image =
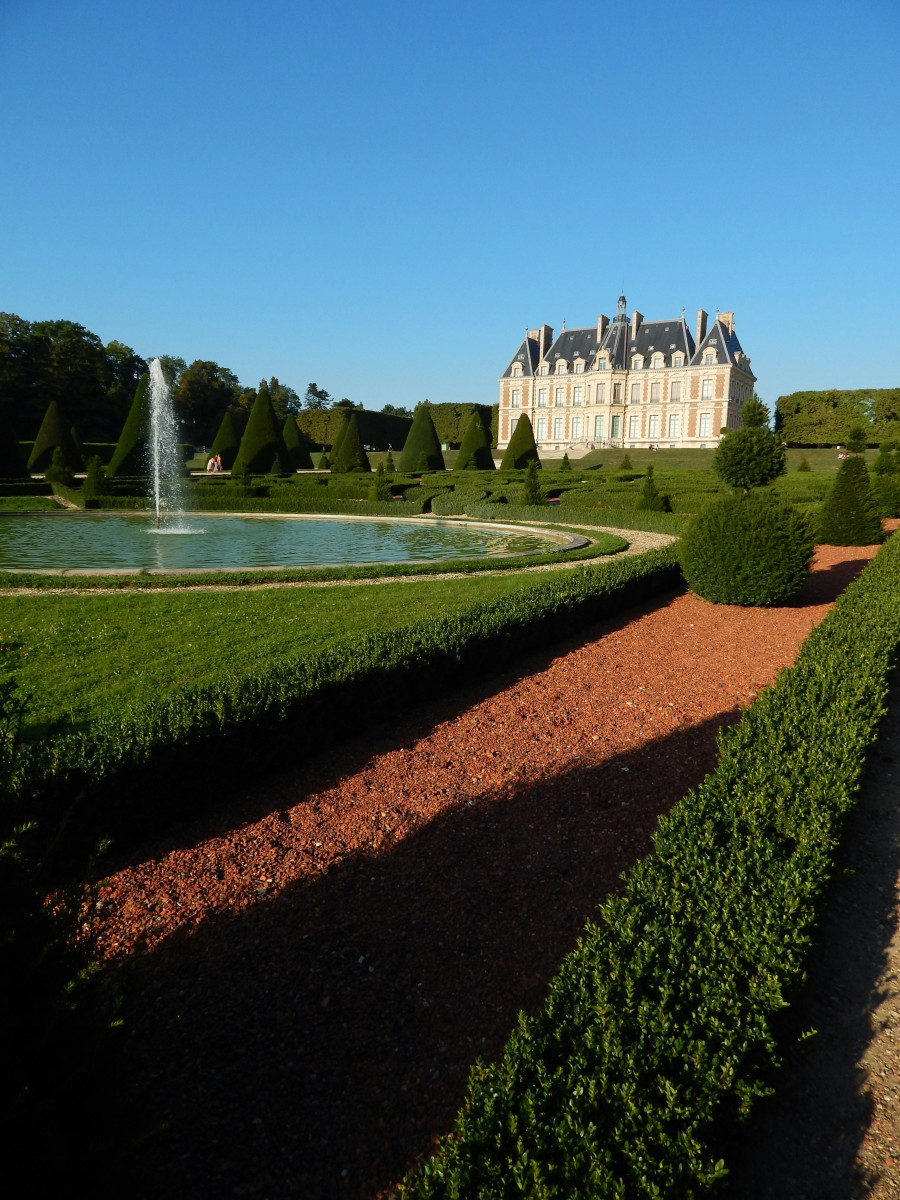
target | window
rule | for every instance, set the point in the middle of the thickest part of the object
(636, 363)
(709, 358)
(633, 426)
(675, 392)
(706, 390)
(657, 362)
(579, 368)
(635, 393)
(516, 371)
(598, 426)
(576, 396)
(673, 425)
(576, 427)
(560, 397)
(614, 426)
(654, 393)
(677, 360)
(653, 427)
(561, 367)
(601, 365)
(617, 393)
(601, 393)
(705, 421)
(545, 368)
(557, 428)
(542, 397)
(542, 428)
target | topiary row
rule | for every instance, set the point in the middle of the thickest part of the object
(659, 1028)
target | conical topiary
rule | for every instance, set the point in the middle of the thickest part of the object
(12, 460)
(381, 485)
(297, 446)
(55, 432)
(849, 515)
(521, 449)
(532, 493)
(262, 450)
(349, 454)
(227, 442)
(130, 454)
(885, 463)
(93, 486)
(565, 465)
(341, 430)
(650, 499)
(422, 450)
(475, 448)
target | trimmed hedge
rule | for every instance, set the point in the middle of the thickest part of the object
(475, 449)
(422, 450)
(55, 431)
(136, 772)
(226, 442)
(262, 447)
(130, 454)
(659, 1027)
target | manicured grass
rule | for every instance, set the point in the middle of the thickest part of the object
(83, 655)
(26, 503)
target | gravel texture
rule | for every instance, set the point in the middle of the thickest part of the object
(313, 969)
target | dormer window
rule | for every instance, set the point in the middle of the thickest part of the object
(677, 360)
(709, 358)
(601, 364)
(637, 362)
(562, 367)
(579, 367)
(657, 361)
(545, 368)
(516, 371)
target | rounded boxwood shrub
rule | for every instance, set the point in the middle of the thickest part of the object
(521, 449)
(749, 457)
(747, 549)
(849, 515)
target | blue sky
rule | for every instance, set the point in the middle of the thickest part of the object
(381, 198)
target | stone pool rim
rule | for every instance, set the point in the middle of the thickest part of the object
(564, 541)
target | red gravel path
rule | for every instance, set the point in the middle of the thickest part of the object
(313, 973)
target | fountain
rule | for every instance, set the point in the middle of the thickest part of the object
(165, 456)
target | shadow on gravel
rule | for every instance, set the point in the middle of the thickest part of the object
(804, 1140)
(314, 1045)
(826, 585)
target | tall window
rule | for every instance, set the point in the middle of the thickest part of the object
(560, 397)
(516, 398)
(709, 359)
(601, 393)
(654, 393)
(635, 393)
(576, 395)
(542, 428)
(706, 390)
(579, 368)
(601, 365)
(677, 360)
(653, 428)
(542, 397)
(561, 368)
(705, 421)
(633, 427)
(675, 390)
(673, 425)
(517, 370)
(557, 428)
(545, 368)
(576, 427)
(614, 426)
(617, 393)
(598, 426)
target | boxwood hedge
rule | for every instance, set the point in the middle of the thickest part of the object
(658, 1030)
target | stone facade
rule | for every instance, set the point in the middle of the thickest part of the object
(628, 383)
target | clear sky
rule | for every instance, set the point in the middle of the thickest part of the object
(382, 197)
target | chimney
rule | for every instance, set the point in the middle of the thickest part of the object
(702, 318)
(636, 319)
(727, 320)
(545, 339)
(602, 326)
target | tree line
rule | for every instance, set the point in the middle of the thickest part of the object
(43, 361)
(827, 418)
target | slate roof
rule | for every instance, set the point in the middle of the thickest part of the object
(572, 344)
(527, 356)
(719, 339)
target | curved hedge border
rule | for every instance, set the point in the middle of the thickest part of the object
(134, 773)
(658, 1029)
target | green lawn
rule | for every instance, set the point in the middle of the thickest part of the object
(80, 655)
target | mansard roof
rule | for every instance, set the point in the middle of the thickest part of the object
(527, 356)
(572, 344)
(665, 337)
(718, 338)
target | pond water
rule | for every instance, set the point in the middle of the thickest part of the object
(87, 541)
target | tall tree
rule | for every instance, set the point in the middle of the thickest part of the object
(284, 399)
(204, 391)
(316, 397)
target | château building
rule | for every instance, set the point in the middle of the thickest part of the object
(628, 383)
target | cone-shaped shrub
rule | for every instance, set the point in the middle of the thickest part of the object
(885, 463)
(803, 465)
(297, 446)
(886, 490)
(422, 451)
(350, 454)
(130, 454)
(262, 450)
(93, 487)
(532, 492)
(341, 430)
(12, 460)
(54, 433)
(625, 464)
(849, 514)
(475, 448)
(381, 485)
(565, 465)
(650, 499)
(227, 442)
(521, 449)
(746, 549)
(59, 470)
(389, 463)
